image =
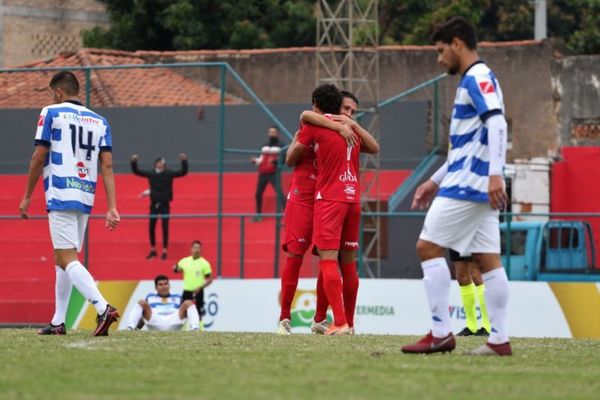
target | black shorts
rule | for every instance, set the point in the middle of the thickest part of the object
(199, 298)
(455, 256)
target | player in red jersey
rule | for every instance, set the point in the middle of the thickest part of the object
(337, 199)
(299, 217)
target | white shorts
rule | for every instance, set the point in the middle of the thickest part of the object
(170, 322)
(67, 229)
(465, 226)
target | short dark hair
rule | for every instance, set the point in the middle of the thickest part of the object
(159, 159)
(327, 98)
(456, 27)
(348, 94)
(160, 278)
(197, 242)
(67, 81)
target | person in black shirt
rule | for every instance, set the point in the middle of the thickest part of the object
(161, 194)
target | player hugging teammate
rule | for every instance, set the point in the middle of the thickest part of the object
(324, 207)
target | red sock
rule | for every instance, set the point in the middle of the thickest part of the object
(322, 304)
(289, 283)
(332, 283)
(350, 282)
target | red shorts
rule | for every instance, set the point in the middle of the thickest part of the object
(336, 225)
(298, 220)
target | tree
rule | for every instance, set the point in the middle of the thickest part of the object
(205, 24)
(233, 24)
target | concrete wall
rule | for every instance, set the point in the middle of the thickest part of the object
(37, 29)
(166, 131)
(523, 68)
(576, 87)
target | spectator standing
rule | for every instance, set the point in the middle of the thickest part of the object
(267, 170)
(161, 195)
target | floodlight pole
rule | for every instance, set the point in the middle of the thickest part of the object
(348, 56)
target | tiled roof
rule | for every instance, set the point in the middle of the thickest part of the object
(123, 87)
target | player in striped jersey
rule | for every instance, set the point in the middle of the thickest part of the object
(69, 141)
(470, 190)
(164, 311)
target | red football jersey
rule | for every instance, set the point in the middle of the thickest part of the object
(302, 186)
(337, 164)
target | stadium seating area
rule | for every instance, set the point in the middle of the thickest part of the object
(28, 276)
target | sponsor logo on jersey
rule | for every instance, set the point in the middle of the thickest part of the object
(486, 87)
(81, 119)
(348, 176)
(82, 170)
(74, 183)
(351, 244)
(41, 120)
(350, 190)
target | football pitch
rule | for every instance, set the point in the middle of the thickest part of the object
(209, 365)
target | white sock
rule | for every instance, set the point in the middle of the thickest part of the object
(134, 316)
(496, 297)
(436, 277)
(62, 293)
(193, 319)
(84, 282)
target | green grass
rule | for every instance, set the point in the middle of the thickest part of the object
(152, 365)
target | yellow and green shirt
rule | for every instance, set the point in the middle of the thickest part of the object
(194, 272)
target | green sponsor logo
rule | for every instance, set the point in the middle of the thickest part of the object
(73, 183)
(303, 308)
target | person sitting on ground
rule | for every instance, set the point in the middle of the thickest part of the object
(163, 311)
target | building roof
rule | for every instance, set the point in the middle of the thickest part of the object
(110, 88)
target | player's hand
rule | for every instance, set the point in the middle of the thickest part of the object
(424, 195)
(497, 193)
(348, 134)
(112, 219)
(182, 156)
(343, 119)
(135, 157)
(23, 206)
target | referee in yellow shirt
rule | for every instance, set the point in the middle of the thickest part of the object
(197, 274)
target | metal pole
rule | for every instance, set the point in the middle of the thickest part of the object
(508, 218)
(361, 242)
(242, 235)
(541, 10)
(436, 110)
(88, 100)
(277, 218)
(220, 190)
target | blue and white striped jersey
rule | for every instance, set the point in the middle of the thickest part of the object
(75, 136)
(164, 305)
(478, 97)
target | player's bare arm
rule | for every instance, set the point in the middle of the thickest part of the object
(497, 138)
(314, 118)
(108, 178)
(369, 144)
(294, 141)
(36, 167)
(426, 192)
(208, 280)
(294, 153)
(424, 195)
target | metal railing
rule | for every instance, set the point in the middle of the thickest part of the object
(511, 220)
